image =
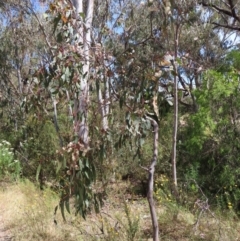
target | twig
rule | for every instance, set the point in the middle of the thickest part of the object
(226, 26)
(145, 168)
(202, 205)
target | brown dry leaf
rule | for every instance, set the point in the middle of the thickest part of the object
(64, 19)
(52, 7)
(109, 73)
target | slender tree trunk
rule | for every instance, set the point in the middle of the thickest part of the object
(104, 105)
(174, 138)
(151, 171)
(175, 118)
(19, 76)
(104, 99)
(19, 79)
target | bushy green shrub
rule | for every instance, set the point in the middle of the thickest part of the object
(209, 151)
(9, 167)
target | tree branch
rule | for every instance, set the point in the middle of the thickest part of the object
(226, 26)
(233, 10)
(222, 10)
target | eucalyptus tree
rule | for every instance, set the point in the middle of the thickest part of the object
(77, 60)
(195, 48)
(22, 106)
(160, 51)
(21, 47)
(74, 71)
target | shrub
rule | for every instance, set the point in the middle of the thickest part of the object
(9, 167)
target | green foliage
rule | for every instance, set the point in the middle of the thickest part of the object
(230, 62)
(192, 173)
(36, 148)
(211, 147)
(162, 188)
(132, 226)
(76, 175)
(9, 167)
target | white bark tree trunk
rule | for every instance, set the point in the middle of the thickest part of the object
(104, 105)
(81, 105)
(104, 100)
(175, 118)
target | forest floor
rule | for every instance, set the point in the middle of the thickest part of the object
(5, 234)
(26, 213)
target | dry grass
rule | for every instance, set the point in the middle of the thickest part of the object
(28, 214)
